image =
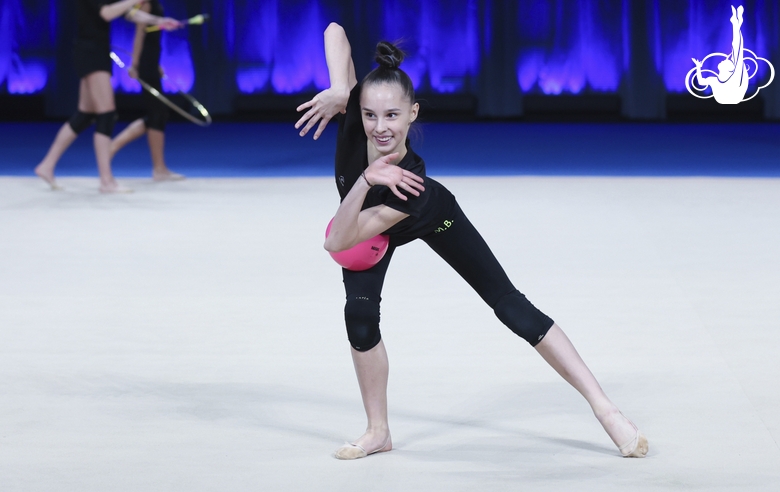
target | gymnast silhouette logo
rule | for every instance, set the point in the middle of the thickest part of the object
(730, 84)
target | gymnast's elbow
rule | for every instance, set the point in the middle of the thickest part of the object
(104, 14)
(335, 28)
(329, 246)
(333, 246)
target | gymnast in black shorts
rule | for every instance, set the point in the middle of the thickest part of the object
(384, 189)
(96, 96)
(146, 66)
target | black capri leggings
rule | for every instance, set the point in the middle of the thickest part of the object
(156, 111)
(464, 249)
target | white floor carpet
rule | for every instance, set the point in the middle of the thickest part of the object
(190, 337)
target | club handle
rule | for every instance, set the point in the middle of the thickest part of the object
(196, 20)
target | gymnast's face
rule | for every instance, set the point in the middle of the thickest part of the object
(387, 115)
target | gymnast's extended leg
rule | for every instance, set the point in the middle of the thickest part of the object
(67, 134)
(559, 352)
(153, 125)
(45, 169)
(132, 132)
(160, 171)
(463, 248)
(156, 122)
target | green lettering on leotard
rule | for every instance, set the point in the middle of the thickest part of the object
(446, 225)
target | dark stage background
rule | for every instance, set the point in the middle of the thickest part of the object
(492, 59)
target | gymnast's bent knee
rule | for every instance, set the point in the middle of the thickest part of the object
(362, 317)
(104, 123)
(156, 119)
(80, 121)
(522, 317)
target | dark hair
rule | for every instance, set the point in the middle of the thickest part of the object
(389, 57)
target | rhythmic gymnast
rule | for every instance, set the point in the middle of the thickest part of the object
(384, 189)
(146, 66)
(96, 96)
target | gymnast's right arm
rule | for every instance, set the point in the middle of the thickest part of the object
(341, 70)
(114, 10)
(351, 225)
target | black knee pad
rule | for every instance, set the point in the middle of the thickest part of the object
(156, 119)
(81, 121)
(522, 317)
(362, 317)
(104, 123)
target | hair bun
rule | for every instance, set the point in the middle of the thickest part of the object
(388, 55)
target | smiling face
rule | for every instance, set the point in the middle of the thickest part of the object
(387, 116)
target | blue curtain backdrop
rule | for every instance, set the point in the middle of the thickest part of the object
(496, 51)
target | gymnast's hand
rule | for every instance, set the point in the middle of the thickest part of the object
(133, 71)
(383, 172)
(322, 108)
(169, 24)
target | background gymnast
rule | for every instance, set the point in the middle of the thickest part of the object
(384, 189)
(96, 96)
(146, 66)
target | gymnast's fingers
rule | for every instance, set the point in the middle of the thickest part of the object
(409, 188)
(397, 193)
(170, 24)
(389, 158)
(305, 117)
(305, 105)
(415, 185)
(312, 121)
(321, 128)
(411, 175)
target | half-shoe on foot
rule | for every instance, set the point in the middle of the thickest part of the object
(168, 176)
(351, 451)
(636, 447)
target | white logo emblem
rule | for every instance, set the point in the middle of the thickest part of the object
(730, 83)
(341, 180)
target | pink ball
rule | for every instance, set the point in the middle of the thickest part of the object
(361, 256)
